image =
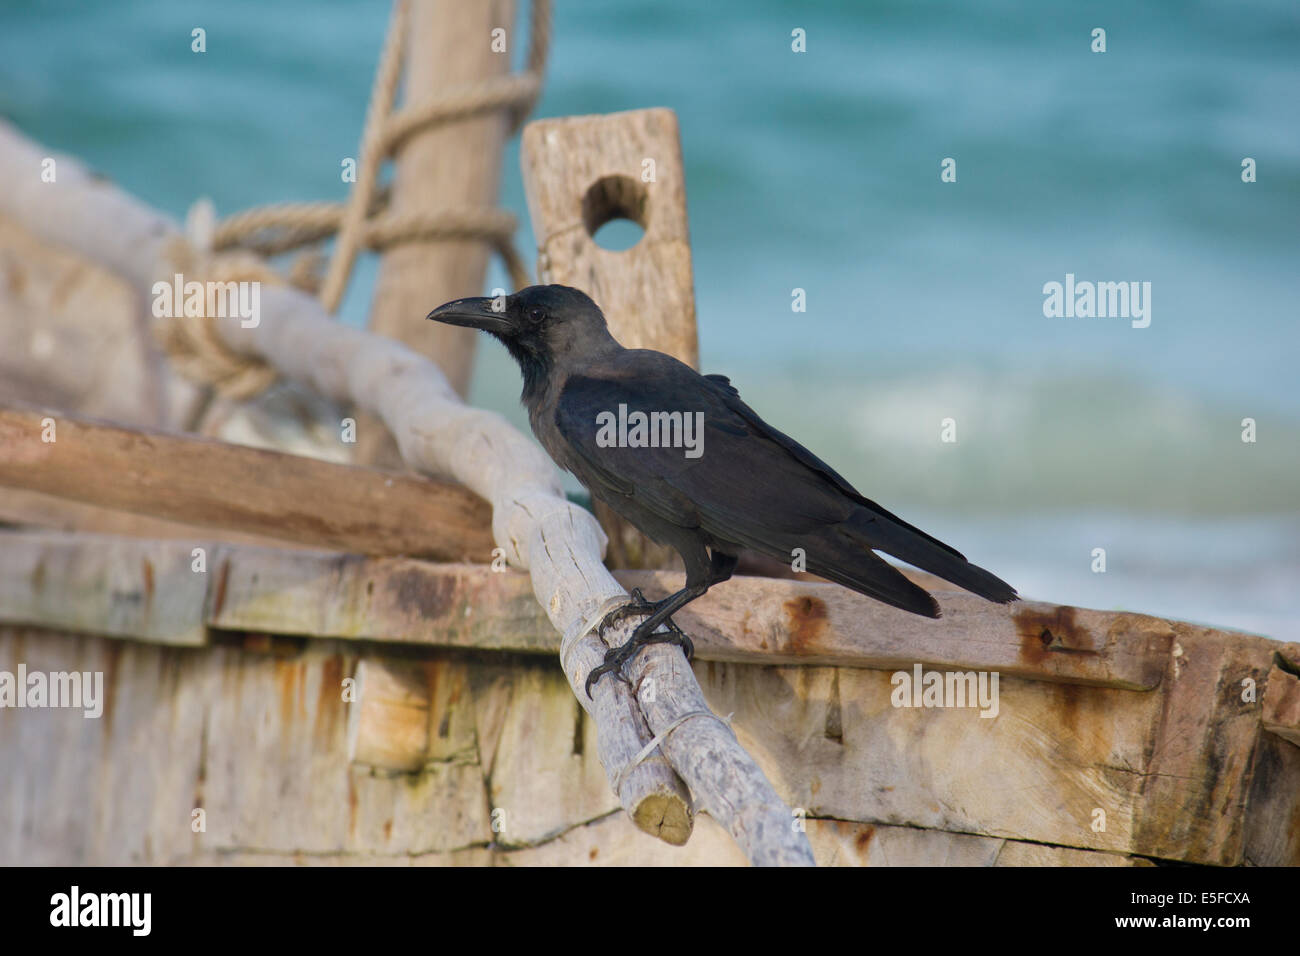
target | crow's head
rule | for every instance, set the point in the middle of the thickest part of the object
(539, 324)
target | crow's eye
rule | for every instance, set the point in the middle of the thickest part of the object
(536, 315)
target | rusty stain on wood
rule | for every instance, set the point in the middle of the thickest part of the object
(111, 665)
(329, 702)
(284, 678)
(1042, 632)
(147, 567)
(863, 840)
(807, 620)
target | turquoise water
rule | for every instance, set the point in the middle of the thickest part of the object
(821, 171)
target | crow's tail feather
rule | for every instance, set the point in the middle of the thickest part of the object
(907, 544)
(868, 574)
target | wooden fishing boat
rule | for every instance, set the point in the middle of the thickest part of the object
(336, 616)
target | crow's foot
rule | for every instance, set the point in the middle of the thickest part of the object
(665, 633)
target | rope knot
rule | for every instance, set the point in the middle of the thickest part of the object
(190, 342)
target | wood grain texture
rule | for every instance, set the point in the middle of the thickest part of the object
(760, 620)
(214, 484)
(120, 587)
(1202, 761)
(256, 735)
(750, 620)
(1272, 836)
(609, 841)
(33, 509)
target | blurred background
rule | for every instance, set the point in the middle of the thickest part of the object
(820, 171)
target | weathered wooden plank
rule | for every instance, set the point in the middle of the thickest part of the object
(259, 740)
(118, 788)
(255, 740)
(750, 620)
(388, 599)
(1170, 774)
(217, 484)
(1272, 835)
(1017, 853)
(612, 841)
(1084, 749)
(760, 620)
(754, 620)
(834, 743)
(1199, 774)
(389, 725)
(545, 744)
(410, 714)
(31, 509)
(469, 856)
(121, 587)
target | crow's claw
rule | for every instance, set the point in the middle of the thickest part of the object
(638, 605)
(609, 667)
(616, 657)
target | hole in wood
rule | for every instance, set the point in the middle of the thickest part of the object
(615, 211)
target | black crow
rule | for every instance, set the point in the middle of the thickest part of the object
(680, 456)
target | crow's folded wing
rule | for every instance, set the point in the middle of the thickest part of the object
(748, 473)
(739, 476)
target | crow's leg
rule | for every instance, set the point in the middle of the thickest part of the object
(720, 567)
(699, 579)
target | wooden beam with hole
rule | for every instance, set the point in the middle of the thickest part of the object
(218, 485)
(581, 172)
(746, 620)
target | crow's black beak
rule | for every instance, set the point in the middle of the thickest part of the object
(476, 313)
